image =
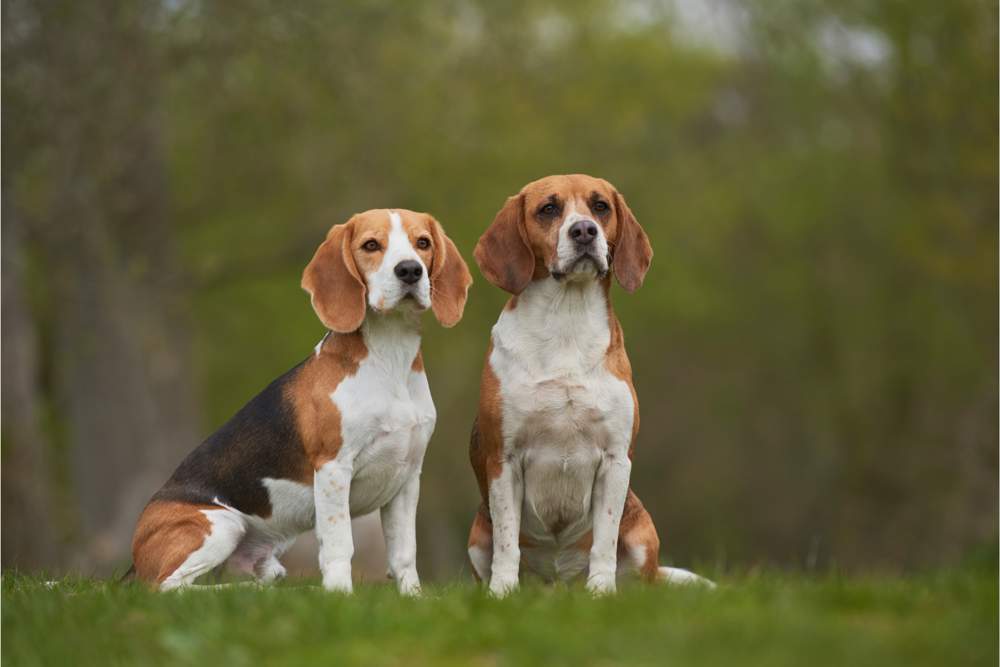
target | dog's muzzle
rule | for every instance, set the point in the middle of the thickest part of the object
(585, 260)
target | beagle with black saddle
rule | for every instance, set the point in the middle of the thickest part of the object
(558, 414)
(340, 435)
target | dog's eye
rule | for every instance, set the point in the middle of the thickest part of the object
(549, 209)
(600, 206)
(423, 243)
(371, 245)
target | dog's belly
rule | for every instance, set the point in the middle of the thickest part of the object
(380, 472)
(558, 485)
(563, 429)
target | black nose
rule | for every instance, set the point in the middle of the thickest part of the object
(409, 271)
(583, 232)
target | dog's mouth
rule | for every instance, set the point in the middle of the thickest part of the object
(585, 264)
(411, 299)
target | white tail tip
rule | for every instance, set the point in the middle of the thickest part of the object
(675, 575)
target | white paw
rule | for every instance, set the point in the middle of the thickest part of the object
(410, 590)
(337, 578)
(502, 586)
(338, 584)
(601, 584)
(270, 570)
(408, 583)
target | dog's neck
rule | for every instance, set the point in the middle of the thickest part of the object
(557, 324)
(390, 341)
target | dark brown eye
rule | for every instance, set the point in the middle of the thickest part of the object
(371, 245)
(549, 209)
(423, 243)
(600, 206)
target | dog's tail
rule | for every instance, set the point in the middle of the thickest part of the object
(129, 575)
(675, 575)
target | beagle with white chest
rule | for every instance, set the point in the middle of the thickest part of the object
(558, 414)
(340, 435)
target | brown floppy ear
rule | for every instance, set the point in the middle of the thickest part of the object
(450, 278)
(335, 287)
(503, 253)
(632, 253)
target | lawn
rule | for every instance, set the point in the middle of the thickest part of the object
(947, 618)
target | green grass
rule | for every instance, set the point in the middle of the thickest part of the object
(937, 619)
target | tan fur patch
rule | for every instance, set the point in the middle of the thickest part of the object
(481, 533)
(167, 533)
(318, 418)
(418, 363)
(486, 446)
(637, 530)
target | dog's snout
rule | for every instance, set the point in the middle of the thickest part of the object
(583, 232)
(409, 271)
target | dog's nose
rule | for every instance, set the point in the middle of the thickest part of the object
(583, 232)
(409, 271)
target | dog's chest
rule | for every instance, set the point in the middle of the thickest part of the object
(562, 410)
(386, 421)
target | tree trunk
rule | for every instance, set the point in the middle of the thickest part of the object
(118, 355)
(28, 529)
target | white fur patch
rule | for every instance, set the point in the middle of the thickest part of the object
(481, 560)
(675, 575)
(319, 346)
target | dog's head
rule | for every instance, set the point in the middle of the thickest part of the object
(574, 228)
(384, 260)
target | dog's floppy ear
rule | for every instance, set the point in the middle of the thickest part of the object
(503, 253)
(335, 287)
(632, 253)
(450, 278)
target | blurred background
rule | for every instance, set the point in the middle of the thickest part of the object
(815, 347)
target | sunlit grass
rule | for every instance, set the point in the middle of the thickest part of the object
(938, 619)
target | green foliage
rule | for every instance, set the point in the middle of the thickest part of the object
(815, 346)
(764, 619)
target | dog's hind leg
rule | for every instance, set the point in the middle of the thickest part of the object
(481, 546)
(639, 548)
(175, 543)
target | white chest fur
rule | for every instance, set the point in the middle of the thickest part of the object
(563, 411)
(387, 414)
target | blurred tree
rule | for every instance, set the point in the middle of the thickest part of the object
(86, 176)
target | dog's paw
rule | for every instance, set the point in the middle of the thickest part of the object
(337, 579)
(502, 586)
(409, 585)
(601, 584)
(270, 570)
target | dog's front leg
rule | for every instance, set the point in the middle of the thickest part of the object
(332, 490)
(399, 525)
(506, 497)
(610, 491)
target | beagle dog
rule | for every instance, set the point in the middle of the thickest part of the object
(340, 435)
(552, 442)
